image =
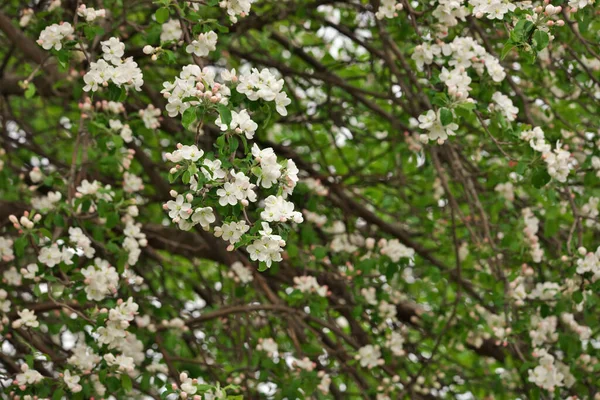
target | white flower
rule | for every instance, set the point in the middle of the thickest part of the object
(268, 345)
(53, 35)
(212, 169)
(205, 43)
(506, 190)
(388, 9)
(309, 284)
(113, 50)
(27, 318)
(179, 208)
(101, 280)
(50, 256)
(235, 8)
(506, 106)
(204, 216)
(395, 343)
(170, 30)
(28, 376)
(240, 123)
(396, 250)
(431, 122)
(369, 356)
(244, 274)
(191, 153)
(232, 231)
(72, 381)
(277, 209)
(546, 375)
(6, 251)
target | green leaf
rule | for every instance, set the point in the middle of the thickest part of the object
(225, 114)
(540, 40)
(446, 116)
(540, 178)
(508, 46)
(115, 93)
(162, 15)
(30, 91)
(126, 382)
(262, 267)
(58, 394)
(20, 245)
(188, 117)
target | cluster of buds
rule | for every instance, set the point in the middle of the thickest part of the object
(550, 10)
(154, 51)
(129, 154)
(24, 222)
(89, 13)
(85, 105)
(114, 107)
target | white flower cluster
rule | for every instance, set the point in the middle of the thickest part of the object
(89, 13)
(235, 8)
(6, 249)
(506, 190)
(240, 123)
(431, 122)
(111, 68)
(532, 224)
(544, 330)
(264, 85)
(584, 332)
(53, 35)
(448, 12)
(505, 105)
(464, 53)
(590, 263)
(395, 250)
(46, 203)
(205, 43)
(196, 83)
(550, 373)
(395, 343)
(268, 247)
(101, 280)
(171, 31)
(493, 9)
(577, 4)
(241, 273)
(151, 117)
(277, 209)
(132, 183)
(342, 241)
(122, 129)
(83, 356)
(52, 255)
(388, 9)
(268, 345)
(26, 318)
(309, 284)
(81, 241)
(114, 333)
(134, 240)
(271, 172)
(558, 161)
(546, 291)
(28, 376)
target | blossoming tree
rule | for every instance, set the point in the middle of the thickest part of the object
(296, 199)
